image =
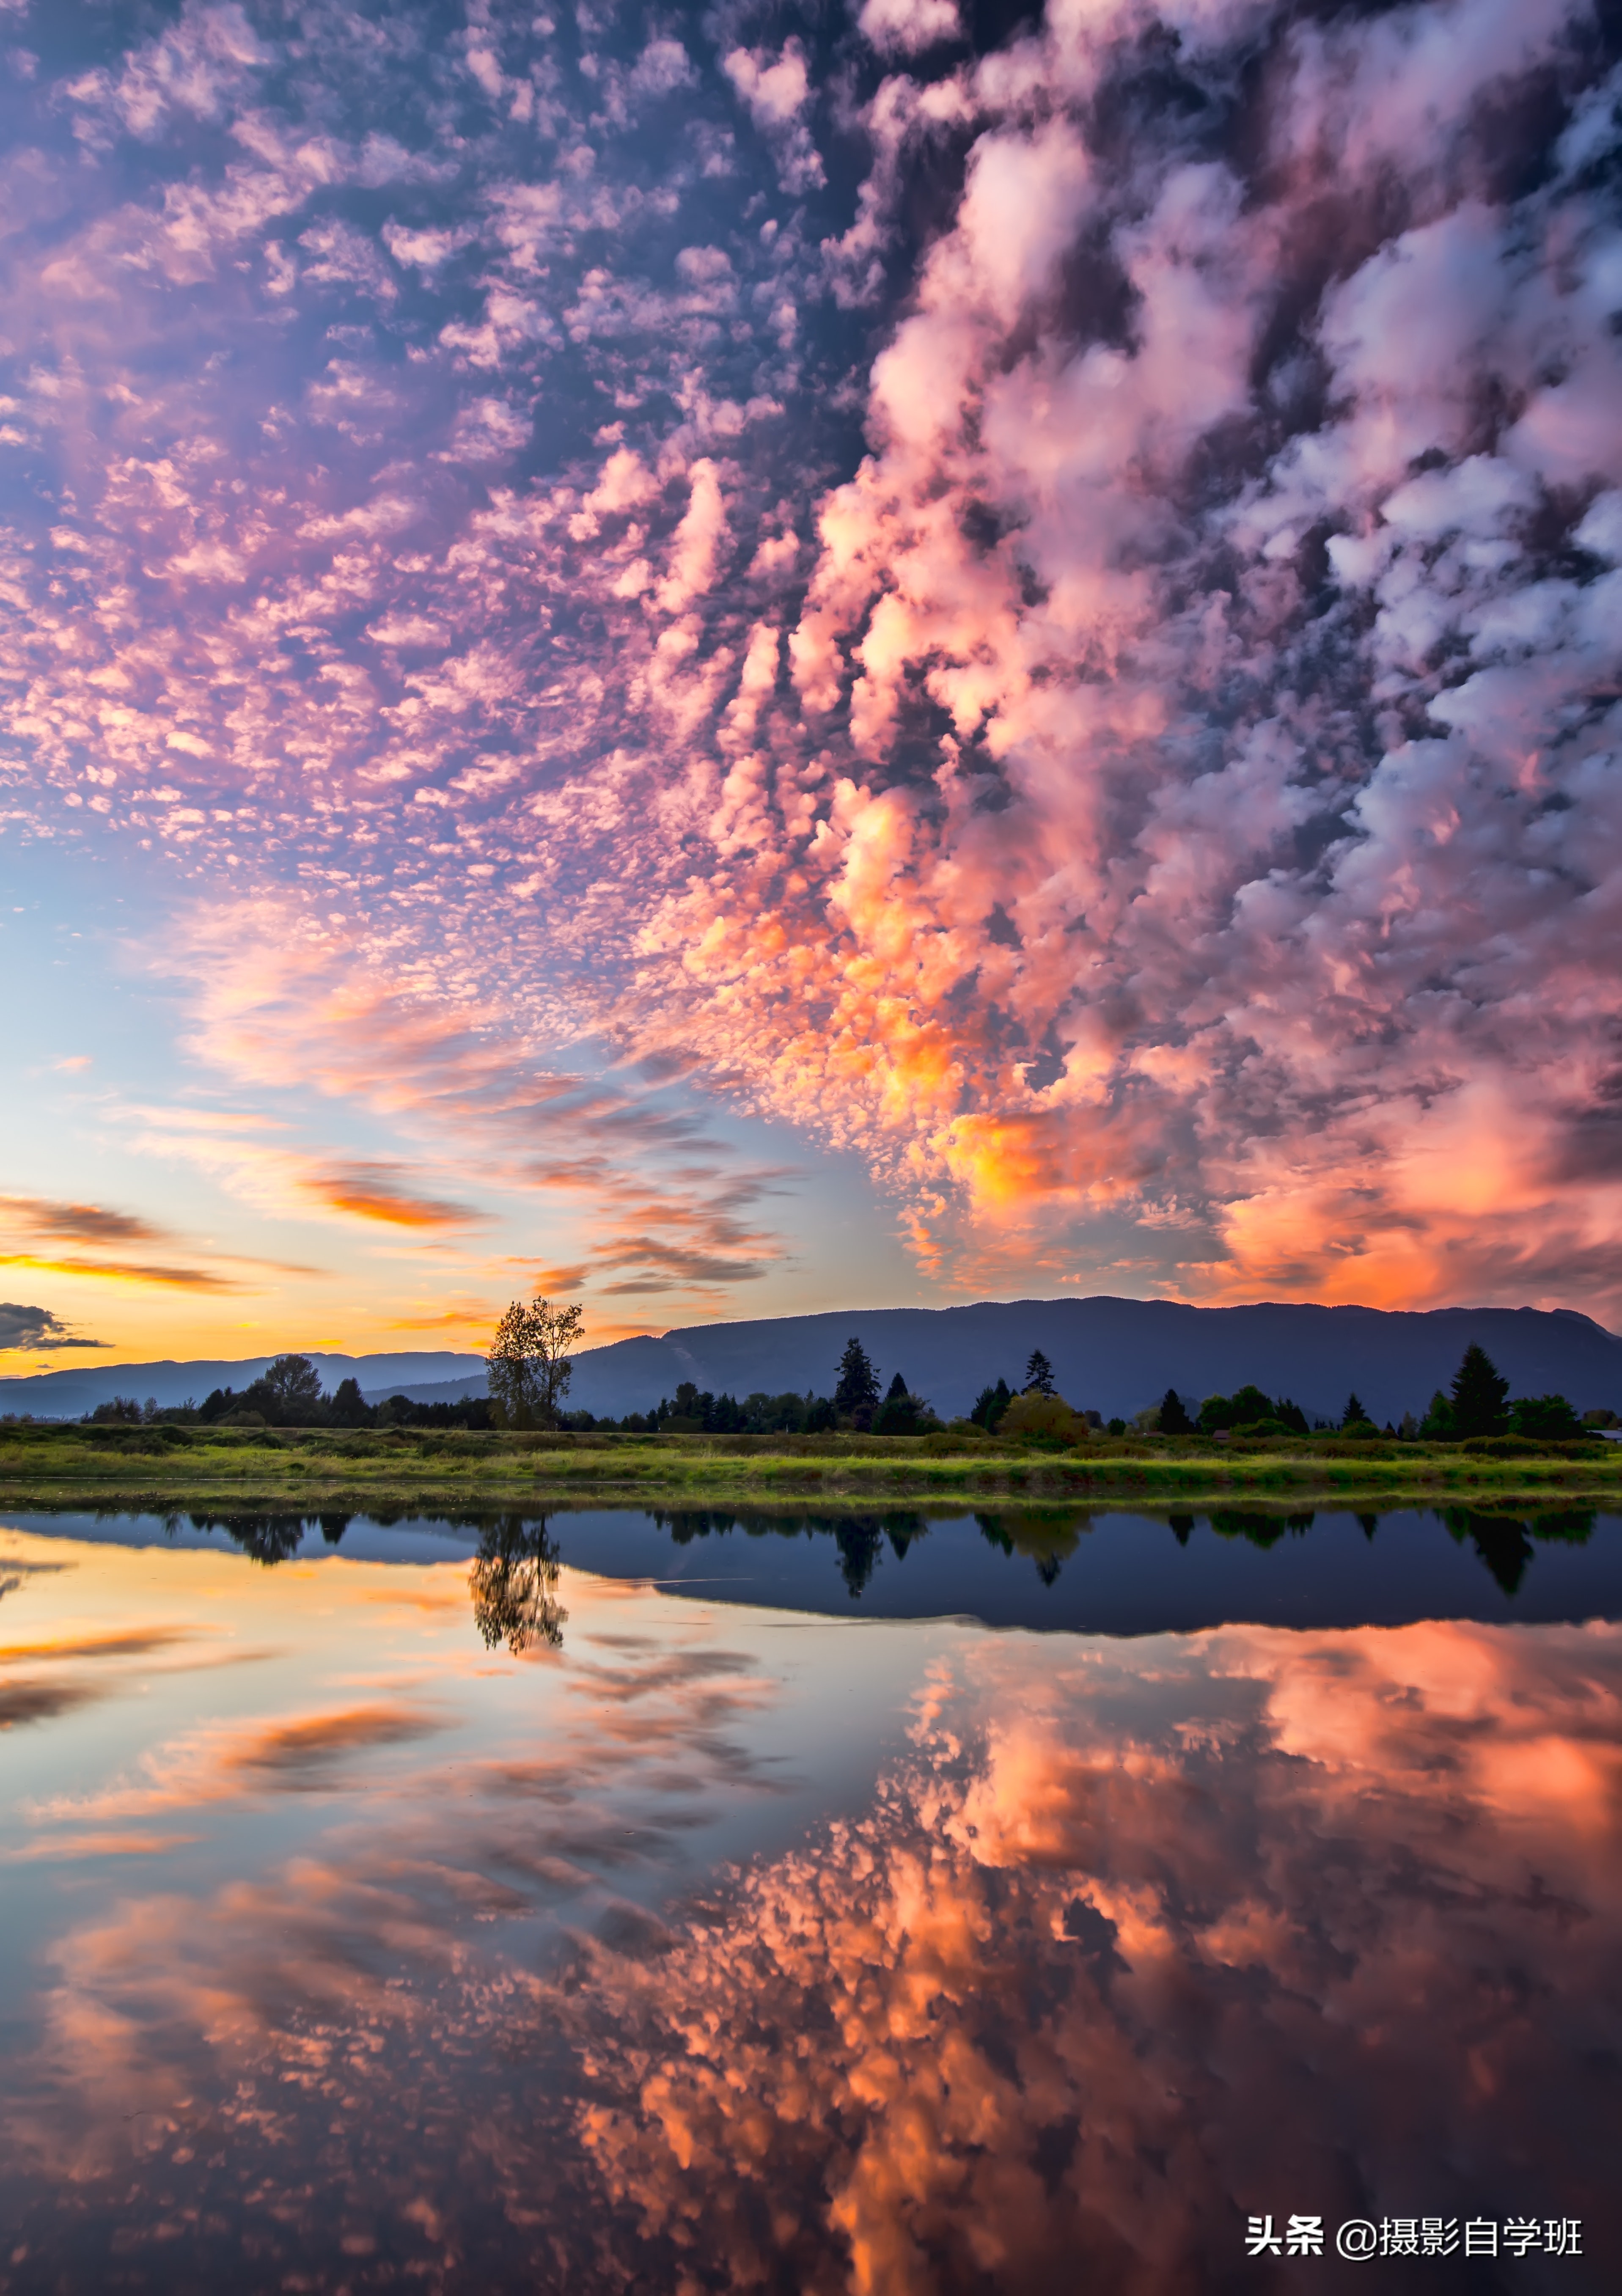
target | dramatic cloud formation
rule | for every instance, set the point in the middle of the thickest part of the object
(1045, 613)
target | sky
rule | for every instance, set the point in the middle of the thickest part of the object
(730, 661)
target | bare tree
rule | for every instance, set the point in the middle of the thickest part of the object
(528, 1368)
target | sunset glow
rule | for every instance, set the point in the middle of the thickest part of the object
(737, 662)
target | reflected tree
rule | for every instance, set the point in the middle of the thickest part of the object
(333, 1527)
(1248, 1522)
(514, 1581)
(1182, 1527)
(264, 1538)
(1573, 1526)
(992, 1531)
(685, 1524)
(859, 1539)
(1499, 1539)
(903, 1528)
(1504, 1542)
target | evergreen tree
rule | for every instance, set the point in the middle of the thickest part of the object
(1039, 1374)
(348, 1407)
(858, 1387)
(1354, 1415)
(1174, 1419)
(990, 1404)
(898, 1414)
(1478, 1396)
(1436, 1426)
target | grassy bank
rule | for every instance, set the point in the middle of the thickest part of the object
(428, 1471)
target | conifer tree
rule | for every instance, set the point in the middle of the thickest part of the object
(1039, 1374)
(858, 1387)
(990, 1404)
(1479, 1394)
(1353, 1414)
(1174, 1419)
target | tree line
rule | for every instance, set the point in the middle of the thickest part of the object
(289, 1393)
(530, 1365)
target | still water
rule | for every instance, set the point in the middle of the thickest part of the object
(1019, 1902)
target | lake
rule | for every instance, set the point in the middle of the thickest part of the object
(914, 1902)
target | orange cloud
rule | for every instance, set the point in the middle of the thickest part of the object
(181, 1279)
(78, 1223)
(374, 1192)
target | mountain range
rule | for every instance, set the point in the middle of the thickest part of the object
(1112, 1355)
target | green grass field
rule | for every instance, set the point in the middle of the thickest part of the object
(428, 1471)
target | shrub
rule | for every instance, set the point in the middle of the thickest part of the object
(1545, 1419)
(1043, 1415)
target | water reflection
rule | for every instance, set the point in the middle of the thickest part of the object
(264, 1538)
(1108, 1963)
(1077, 1567)
(1504, 1542)
(628, 1972)
(514, 1583)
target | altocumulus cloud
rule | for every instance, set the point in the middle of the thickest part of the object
(1048, 613)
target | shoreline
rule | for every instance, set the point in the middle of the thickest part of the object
(160, 1468)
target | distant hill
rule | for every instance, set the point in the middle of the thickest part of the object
(1112, 1355)
(69, 1394)
(1115, 1356)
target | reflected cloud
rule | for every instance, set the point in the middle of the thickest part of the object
(1130, 1940)
(288, 1753)
(63, 1846)
(41, 1701)
(1126, 1953)
(223, 1763)
(134, 1642)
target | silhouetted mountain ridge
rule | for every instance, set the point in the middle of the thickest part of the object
(1109, 1355)
(1117, 1355)
(69, 1394)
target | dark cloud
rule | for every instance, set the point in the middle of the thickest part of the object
(37, 1328)
(41, 1701)
(293, 1753)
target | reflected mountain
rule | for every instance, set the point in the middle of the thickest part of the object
(514, 1583)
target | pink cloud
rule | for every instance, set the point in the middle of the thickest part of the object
(1178, 805)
